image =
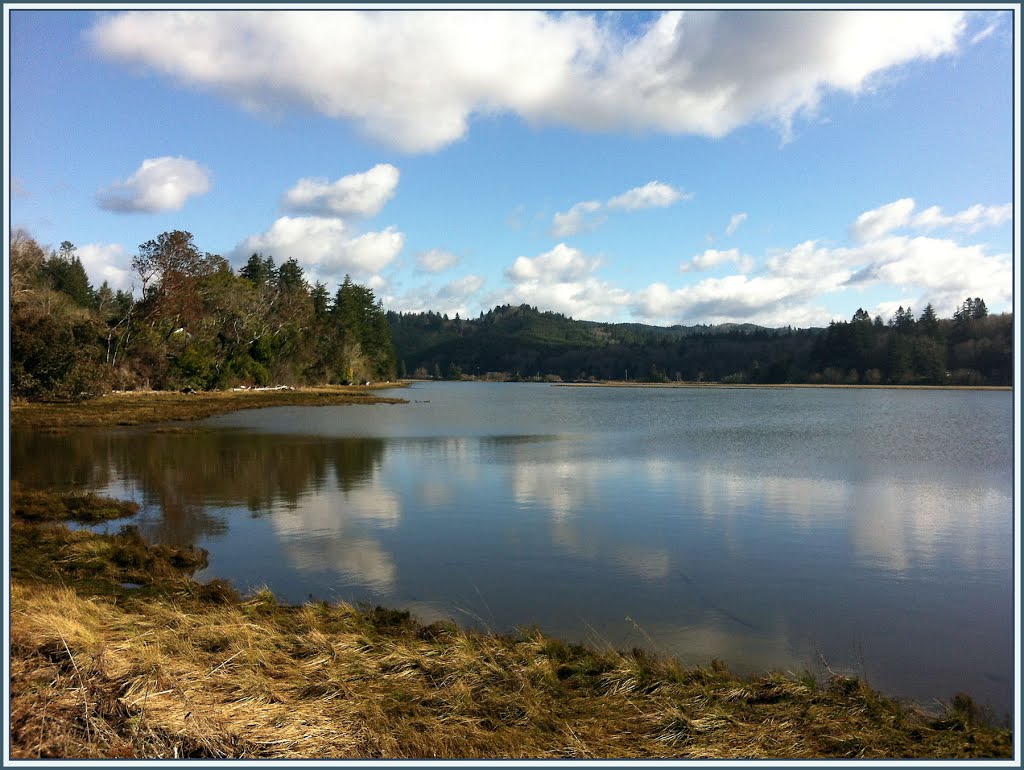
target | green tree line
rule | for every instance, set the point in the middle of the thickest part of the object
(520, 342)
(195, 324)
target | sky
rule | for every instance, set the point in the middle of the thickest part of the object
(778, 167)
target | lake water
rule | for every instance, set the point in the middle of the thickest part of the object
(869, 530)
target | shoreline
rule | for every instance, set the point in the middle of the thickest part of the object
(627, 384)
(131, 408)
(116, 651)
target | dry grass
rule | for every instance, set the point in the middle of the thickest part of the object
(178, 669)
(36, 505)
(146, 407)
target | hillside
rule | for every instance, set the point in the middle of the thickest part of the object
(525, 343)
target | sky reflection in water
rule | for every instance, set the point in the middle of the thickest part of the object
(772, 529)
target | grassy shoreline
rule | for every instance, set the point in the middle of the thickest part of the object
(150, 407)
(117, 652)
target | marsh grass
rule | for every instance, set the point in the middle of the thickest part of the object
(38, 505)
(149, 407)
(180, 669)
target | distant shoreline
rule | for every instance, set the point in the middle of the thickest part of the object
(141, 407)
(624, 384)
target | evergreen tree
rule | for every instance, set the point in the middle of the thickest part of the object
(928, 323)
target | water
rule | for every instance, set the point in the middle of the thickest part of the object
(867, 530)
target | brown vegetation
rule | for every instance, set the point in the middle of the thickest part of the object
(145, 407)
(36, 505)
(174, 668)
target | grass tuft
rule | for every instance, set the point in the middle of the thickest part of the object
(89, 508)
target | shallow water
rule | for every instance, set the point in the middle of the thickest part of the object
(869, 530)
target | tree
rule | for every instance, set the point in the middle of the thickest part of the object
(259, 270)
(67, 274)
(979, 310)
(903, 321)
(928, 323)
(166, 260)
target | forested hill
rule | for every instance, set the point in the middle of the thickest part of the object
(522, 342)
(197, 324)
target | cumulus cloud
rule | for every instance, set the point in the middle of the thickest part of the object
(461, 288)
(560, 265)
(159, 184)
(582, 215)
(561, 280)
(356, 195)
(734, 222)
(451, 298)
(651, 195)
(940, 271)
(792, 286)
(765, 299)
(972, 219)
(714, 258)
(414, 79)
(877, 222)
(107, 262)
(572, 221)
(324, 246)
(436, 261)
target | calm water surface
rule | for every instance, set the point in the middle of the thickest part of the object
(871, 530)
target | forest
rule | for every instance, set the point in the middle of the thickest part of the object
(196, 324)
(521, 342)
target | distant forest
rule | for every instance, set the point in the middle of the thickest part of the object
(198, 324)
(509, 342)
(195, 325)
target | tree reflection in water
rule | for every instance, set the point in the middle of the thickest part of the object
(181, 475)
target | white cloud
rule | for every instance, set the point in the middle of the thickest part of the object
(356, 195)
(713, 258)
(972, 219)
(581, 216)
(587, 298)
(560, 265)
(791, 287)
(414, 79)
(159, 184)
(985, 33)
(107, 262)
(561, 280)
(452, 298)
(939, 271)
(461, 288)
(573, 220)
(325, 247)
(651, 195)
(436, 261)
(768, 300)
(734, 222)
(877, 222)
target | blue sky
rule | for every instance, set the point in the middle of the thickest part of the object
(678, 167)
